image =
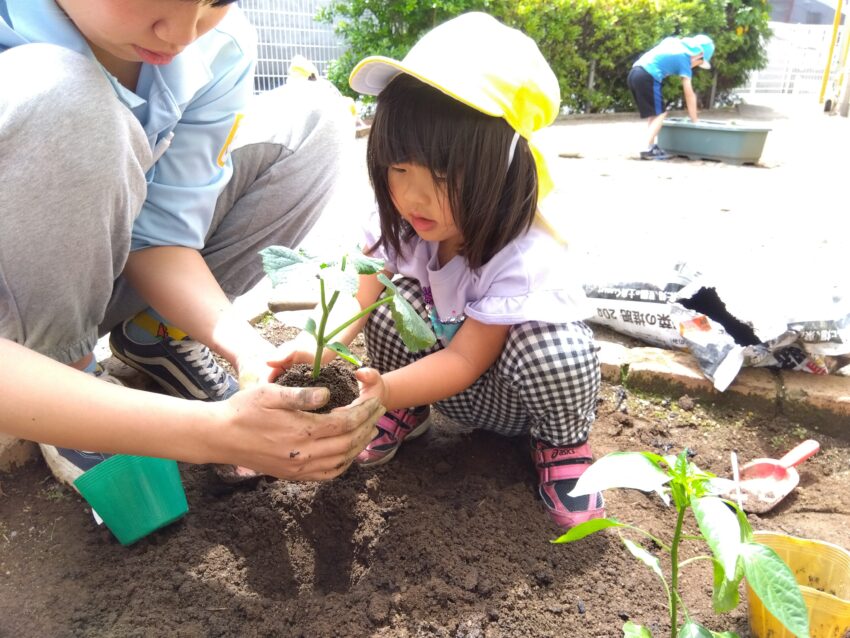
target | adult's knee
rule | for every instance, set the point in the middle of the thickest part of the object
(61, 102)
(303, 117)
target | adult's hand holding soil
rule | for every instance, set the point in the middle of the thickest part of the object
(268, 430)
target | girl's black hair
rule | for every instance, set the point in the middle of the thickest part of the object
(492, 203)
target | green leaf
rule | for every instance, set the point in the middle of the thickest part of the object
(721, 530)
(633, 630)
(746, 528)
(310, 327)
(621, 469)
(365, 265)
(415, 332)
(344, 352)
(693, 630)
(725, 596)
(342, 281)
(280, 262)
(725, 634)
(775, 585)
(644, 556)
(587, 528)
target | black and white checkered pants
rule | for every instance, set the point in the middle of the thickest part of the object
(545, 382)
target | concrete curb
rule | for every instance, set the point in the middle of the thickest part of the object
(15, 452)
(822, 402)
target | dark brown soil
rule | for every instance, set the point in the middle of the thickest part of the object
(449, 539)
(336, 376)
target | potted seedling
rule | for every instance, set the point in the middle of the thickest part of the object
(340, 277)
(722, 525)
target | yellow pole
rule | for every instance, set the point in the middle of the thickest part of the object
(845, 36)
(835, 24)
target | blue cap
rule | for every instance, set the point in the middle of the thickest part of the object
(701, 44)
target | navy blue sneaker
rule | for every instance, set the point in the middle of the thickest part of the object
(183, 367)
(655, 152)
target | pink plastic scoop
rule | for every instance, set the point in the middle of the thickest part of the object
(765, 482)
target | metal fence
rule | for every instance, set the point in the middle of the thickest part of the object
(797, 56)
(286, 28)
(796, 53)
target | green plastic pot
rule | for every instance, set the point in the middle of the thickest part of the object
(134, 495)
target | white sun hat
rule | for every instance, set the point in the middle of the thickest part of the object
(488, 66)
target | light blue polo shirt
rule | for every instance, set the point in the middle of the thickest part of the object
(669, 57)
(196, 98)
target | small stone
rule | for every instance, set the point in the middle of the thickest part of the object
(581, 607)
(378, 610)
(686, 403)
(544, 577)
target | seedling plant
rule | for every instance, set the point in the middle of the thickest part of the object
(342, 277)
(723, 527)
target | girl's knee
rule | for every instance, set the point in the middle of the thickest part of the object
(543, 346)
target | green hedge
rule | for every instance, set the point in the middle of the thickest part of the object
(590, 44)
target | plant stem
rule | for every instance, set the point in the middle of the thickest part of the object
(674, 577)
(320, 338)
(654, 539)
(695, 559)
(360, 314)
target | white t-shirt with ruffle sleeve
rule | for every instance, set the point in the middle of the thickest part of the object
(530, 279)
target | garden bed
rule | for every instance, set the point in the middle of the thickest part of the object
(448, 539)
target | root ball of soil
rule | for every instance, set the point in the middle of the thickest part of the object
(336, 376)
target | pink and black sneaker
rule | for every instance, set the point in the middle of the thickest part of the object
(393, 428)
(558, 469)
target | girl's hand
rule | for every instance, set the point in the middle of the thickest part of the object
(371, 385)
(301, 349)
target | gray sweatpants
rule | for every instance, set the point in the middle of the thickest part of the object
(73, 160)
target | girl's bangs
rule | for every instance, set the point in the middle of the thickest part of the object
(418, 125)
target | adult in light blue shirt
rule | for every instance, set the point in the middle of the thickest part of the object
(671, 57)
(138, 174)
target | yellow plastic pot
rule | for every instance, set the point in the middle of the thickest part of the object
(823, 572)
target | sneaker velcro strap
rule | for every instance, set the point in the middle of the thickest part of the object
(562, 470)
(391, 422)
(559, 463)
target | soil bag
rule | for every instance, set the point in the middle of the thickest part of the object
(725, 323)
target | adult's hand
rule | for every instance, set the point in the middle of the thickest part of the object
(264, 428)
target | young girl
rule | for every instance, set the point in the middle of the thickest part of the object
(457, 184)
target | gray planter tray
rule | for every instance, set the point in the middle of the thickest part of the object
(714, 140)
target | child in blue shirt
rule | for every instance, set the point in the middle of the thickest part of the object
(139, 181)
(672, 56)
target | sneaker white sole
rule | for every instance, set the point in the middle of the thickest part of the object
(64, 471)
